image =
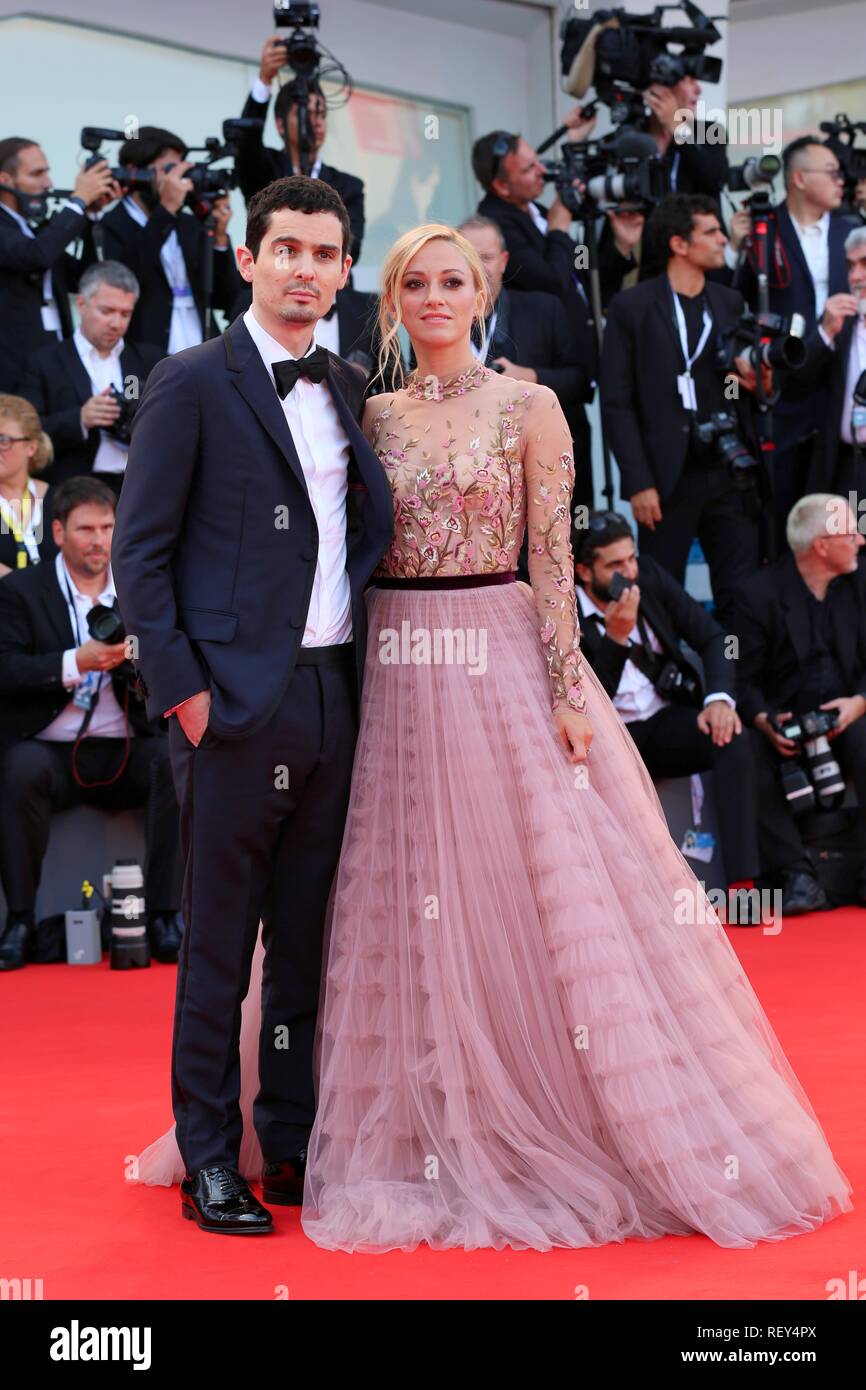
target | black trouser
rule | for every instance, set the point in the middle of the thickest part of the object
(705, 503)
(672, 745)
(37, 781)
(781, 844)
(261, 825)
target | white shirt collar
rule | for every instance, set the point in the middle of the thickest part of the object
(270, 349)
(821, 227)
(585, 599)
(108, 595)
(136, 213)
(86, 348)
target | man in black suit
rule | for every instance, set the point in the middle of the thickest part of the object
(155, 233)
(801, 626)
(806, 259)
(541, 252)
(37, 273)
(73, 724)
(692, 727)
(660, 380)
(835, 363)
(529, 337)
(252, 516)
(257, 165)
(70, 383)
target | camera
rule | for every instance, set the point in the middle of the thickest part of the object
(842, 133)
(622, 167)
(208, 182)
(677, 685)
(93, 137)
(105, 624)
(755, 176)
(717, 435)
(768, 340)
(632, 53)
(120, 429)
(814, 777)
(302, 51)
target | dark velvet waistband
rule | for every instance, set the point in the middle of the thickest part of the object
(454, 581)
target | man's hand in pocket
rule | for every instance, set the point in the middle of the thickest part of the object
(193, 716)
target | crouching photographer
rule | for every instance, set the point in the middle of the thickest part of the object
(633, 619)
(72, 722)
(801, 625)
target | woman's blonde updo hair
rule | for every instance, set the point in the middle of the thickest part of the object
(401, 255)
(27, 419)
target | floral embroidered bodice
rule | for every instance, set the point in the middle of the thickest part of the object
(473, 460)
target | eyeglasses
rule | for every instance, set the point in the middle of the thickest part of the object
(7, 440)
(603, 520)
(836, 174)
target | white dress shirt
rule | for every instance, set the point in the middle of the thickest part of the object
(107, 720)
(102, 371)
(636, 697)
(185, 329)
(815, 242)
(327, 333)
(323, 450)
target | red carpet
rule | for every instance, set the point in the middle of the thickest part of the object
(85, 1061)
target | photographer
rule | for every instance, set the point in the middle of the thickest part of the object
(540, 248)
(75, 727)
(835, 364)
(633, 643)
(529, 337)
(693, 152)
(801, 625)
(37, 273)
(155, 234)
(686, 450)
(86, 387)
(257, 165)
(806, 260)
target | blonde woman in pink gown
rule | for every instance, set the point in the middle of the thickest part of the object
(534, 1031)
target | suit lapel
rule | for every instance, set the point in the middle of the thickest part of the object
(75, 370)
(838, 274)
(56, 606)
(252, 380)
(791, 243)
(796, 612)
(372, 474)
(664, 308)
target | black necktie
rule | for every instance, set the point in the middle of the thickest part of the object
(315, 366)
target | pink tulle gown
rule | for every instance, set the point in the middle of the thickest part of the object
(534, 1031)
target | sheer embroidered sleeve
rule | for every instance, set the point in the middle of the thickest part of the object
(548, 468)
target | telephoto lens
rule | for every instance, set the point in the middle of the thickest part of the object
(129, 947)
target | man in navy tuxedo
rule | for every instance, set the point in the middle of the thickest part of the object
(252, 515)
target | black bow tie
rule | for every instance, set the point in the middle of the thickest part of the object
(315, 366)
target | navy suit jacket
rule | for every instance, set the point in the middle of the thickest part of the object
(216, 542)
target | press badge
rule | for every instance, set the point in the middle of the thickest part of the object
(686, 388)
(698, 844)
(85, 693)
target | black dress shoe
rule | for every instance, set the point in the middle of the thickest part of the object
(15, 945)
(165, 933)
(283, 1183)
(801, 892)
(219, 1200)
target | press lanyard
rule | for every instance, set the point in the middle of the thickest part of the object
(23, 533)
(87, 694)
(685, 381)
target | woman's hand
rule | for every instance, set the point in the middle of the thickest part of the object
(575, 731)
